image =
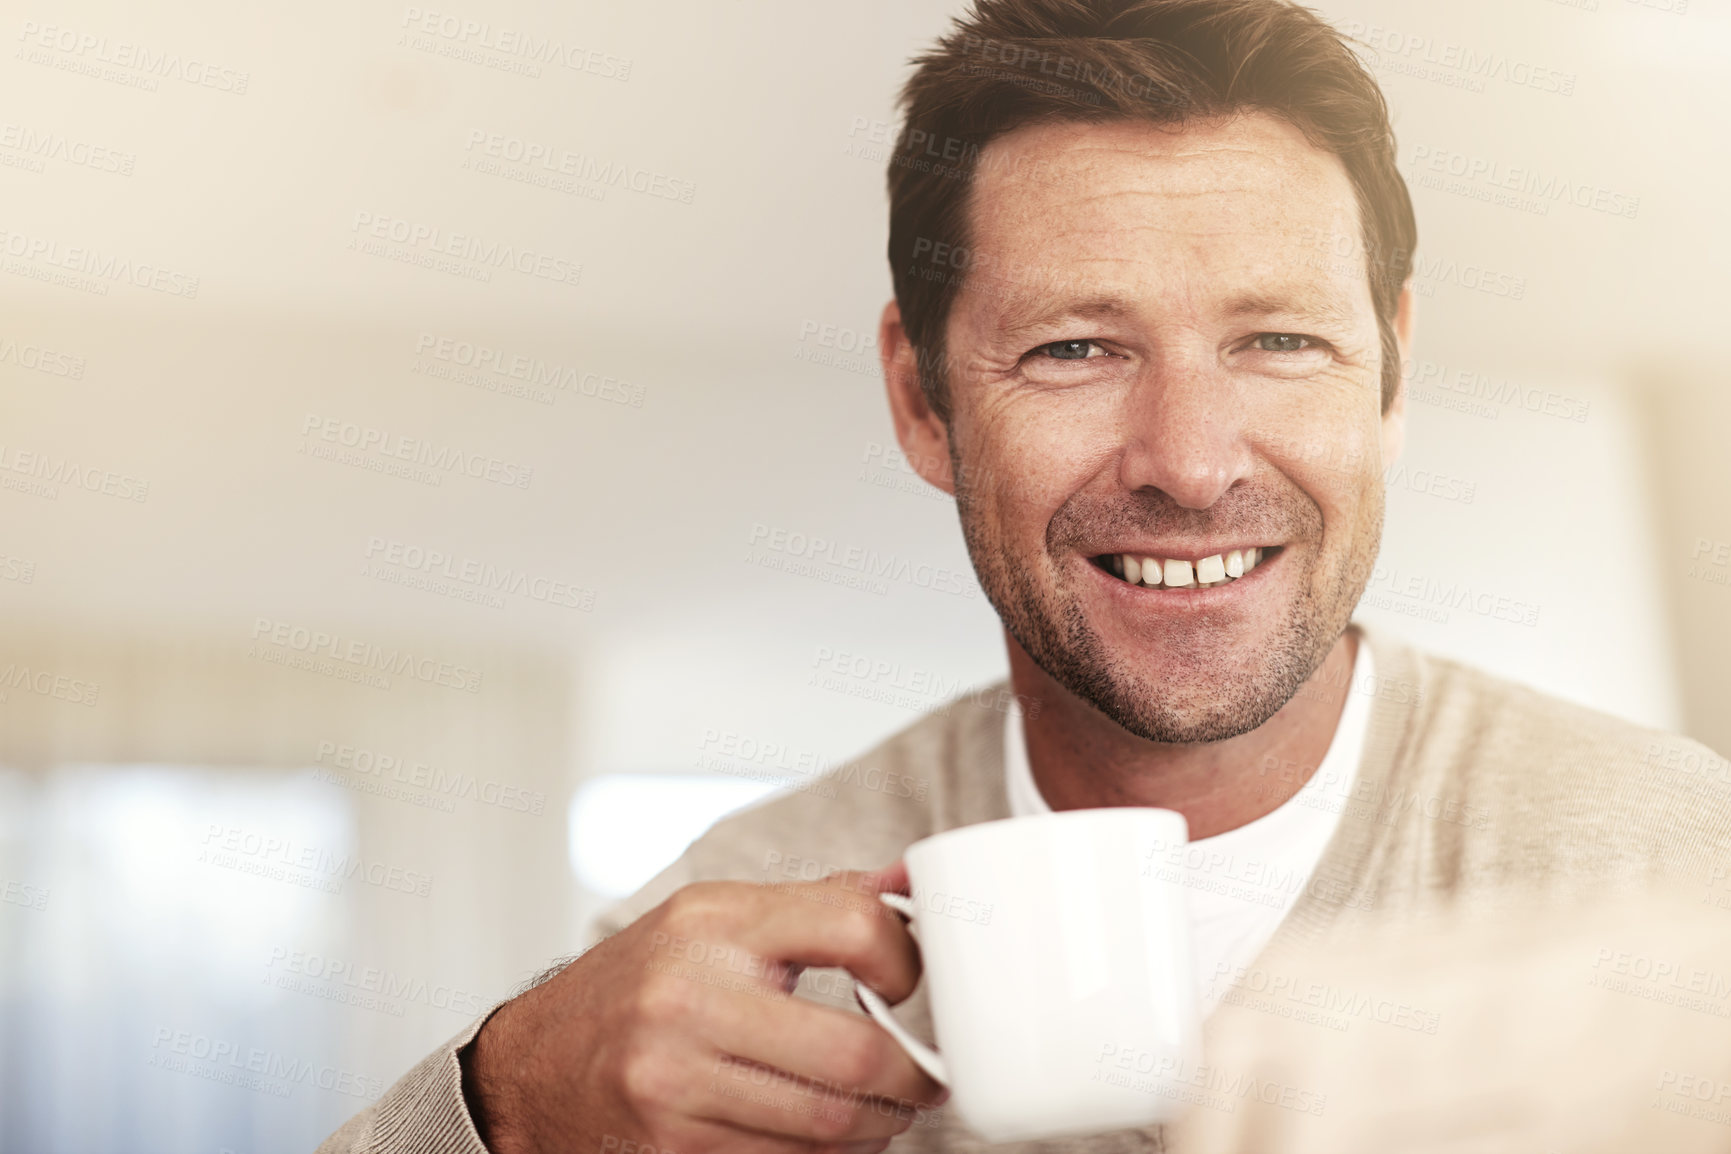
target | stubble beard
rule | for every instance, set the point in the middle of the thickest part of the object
(1219, 690)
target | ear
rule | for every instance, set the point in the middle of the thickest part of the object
(922, 434)
(1394, 421)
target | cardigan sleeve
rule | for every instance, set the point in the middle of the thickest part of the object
(423, 1113)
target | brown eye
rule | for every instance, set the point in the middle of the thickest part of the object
(1282, 343)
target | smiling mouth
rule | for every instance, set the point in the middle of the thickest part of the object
(1208, 572)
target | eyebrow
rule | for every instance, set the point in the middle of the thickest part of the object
(1297, 302)
(1023, 314)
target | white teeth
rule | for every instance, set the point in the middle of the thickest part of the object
(1207, 573)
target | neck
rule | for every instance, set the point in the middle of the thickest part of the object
(1082, 759)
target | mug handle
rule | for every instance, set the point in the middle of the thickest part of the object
(873, 1004)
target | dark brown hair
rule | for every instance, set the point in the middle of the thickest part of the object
(1009, 63)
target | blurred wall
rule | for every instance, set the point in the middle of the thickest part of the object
(1688, 413)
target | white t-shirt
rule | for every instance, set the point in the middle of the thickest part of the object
(1242, 882)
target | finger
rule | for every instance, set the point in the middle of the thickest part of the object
(727, 1138)
(715, 961)
(756, 1097)
(815, 1042)
(892, 879)
(833, 924)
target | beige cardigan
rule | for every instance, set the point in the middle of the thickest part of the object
(1471, 788)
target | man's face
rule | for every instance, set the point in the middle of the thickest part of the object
(1165, 349)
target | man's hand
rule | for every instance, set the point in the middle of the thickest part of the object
(680, 1032)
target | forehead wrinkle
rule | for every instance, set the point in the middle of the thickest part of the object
(1184, 173)
(1083, 229)
(1250, 168)
(1093, 198)
(1007, 230)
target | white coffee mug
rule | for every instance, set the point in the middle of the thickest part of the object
(1059, 971)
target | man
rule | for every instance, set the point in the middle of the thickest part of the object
(1151, 263)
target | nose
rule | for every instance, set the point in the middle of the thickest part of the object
(1183, 433)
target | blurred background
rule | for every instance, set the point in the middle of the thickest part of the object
(400, 405)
